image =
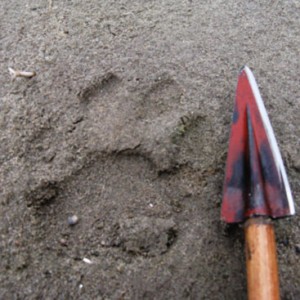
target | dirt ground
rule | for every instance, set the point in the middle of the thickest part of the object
(126, 126)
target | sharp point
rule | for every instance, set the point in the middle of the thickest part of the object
(274, 159)
(243, 68)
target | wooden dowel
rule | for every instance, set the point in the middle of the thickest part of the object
(261, 259)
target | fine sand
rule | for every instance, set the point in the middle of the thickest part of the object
(126, 126)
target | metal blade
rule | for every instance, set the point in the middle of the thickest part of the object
(256, 183)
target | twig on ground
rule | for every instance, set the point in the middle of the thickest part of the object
(17, 73)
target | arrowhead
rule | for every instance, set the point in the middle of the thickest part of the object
(256, 183)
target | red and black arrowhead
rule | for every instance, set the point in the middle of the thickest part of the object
(256, 183)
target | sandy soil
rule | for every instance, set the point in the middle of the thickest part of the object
(126, 126)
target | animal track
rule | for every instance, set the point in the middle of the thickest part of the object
(146, 236)
(100, 86)
(149, 119)
(42, 194)
(161, 98)
(194, 136)
(117, 118)
(111, 195)
(106, 111)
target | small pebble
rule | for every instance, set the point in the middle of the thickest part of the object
(87, 261)
(73, 220)
(121, 267)
(63, 242)
(297, 249)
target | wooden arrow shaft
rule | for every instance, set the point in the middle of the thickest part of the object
(261, 258)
